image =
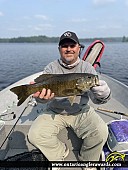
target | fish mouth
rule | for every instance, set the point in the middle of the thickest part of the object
(97, 81)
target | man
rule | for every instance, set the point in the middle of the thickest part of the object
(59, 113)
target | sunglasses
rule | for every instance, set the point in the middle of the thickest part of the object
(68, 45)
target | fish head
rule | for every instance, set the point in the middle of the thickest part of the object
(86, 82)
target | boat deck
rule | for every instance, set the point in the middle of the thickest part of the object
(18, 143)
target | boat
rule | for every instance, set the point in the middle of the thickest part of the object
(15, 121)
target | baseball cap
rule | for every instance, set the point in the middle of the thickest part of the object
(68, 35)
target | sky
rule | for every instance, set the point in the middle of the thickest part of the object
(88, 18)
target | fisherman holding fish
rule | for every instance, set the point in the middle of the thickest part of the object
(72, 111)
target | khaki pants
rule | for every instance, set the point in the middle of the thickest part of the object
(87, 125)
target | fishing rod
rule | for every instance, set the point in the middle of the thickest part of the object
(111, 111)
(13, 126)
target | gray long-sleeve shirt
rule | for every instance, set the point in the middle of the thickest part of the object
(62, 105)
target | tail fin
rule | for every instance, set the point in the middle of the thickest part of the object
(21, 92)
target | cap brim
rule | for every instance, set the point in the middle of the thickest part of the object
(63, 40)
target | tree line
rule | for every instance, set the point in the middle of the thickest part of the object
(46, 39)
(32, 39)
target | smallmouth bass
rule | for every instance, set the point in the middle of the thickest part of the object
(62, 85)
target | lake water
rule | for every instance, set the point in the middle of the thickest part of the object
(18, 60)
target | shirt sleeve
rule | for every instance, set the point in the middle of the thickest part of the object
(99, 101)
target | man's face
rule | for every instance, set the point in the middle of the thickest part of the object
(69, 51)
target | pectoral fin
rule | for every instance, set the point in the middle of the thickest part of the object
(71, 99)
(68, 92)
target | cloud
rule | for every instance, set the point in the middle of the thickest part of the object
(1, 14)
(102, 2)
(43, 27)
(15, 29)
(26, 17)
(106, 27)
(78, 20)
(39, 16)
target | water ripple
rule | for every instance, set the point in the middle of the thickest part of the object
(20, 60)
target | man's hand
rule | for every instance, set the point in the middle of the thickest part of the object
(44, 94)
(102, 91)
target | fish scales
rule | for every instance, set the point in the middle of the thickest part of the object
(61, 85)
(57, 85)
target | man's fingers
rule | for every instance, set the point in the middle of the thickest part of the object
(48, 94)
(32, 82)
(36, 94)
(45, 94)
(52, 95)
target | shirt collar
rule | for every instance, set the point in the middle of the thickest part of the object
(67, 65)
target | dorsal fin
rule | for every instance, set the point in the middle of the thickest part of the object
(43, 77)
